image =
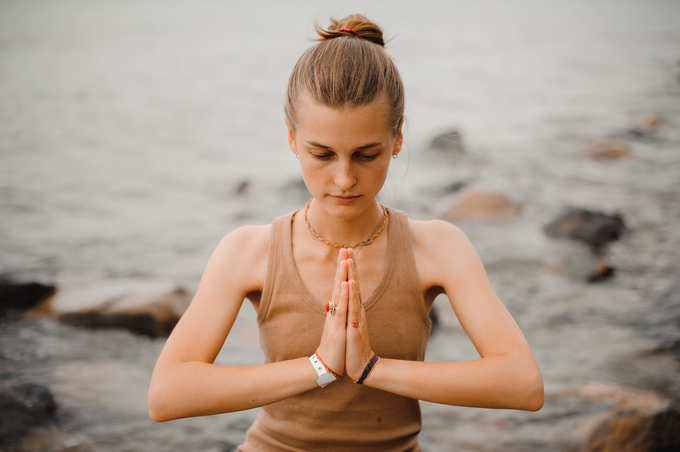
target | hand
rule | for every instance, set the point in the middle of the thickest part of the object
(332, 346)
(358, 348)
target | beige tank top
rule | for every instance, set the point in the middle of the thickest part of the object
(343, 415)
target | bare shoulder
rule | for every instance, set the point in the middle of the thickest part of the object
(251, 243)
(435, 242)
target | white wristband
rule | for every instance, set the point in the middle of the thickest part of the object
(324, 377)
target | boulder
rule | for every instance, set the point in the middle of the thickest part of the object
(484, 206)
(624, 397)
(22, 295)
(636, 431)
(146, 307)
(586, 408)
(595, 229)
(23, 407)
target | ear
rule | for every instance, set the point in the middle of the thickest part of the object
(291, 137)
(398, 139)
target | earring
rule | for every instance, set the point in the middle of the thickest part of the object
(394, 156)
(297, 156)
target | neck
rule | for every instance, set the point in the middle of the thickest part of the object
(343, 230)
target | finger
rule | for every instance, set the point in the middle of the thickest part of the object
(340, 275)
(340, 270)
(362, 318)
(341, 313)
(352, 273)
(354, 315)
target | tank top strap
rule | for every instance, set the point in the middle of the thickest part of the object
(276, 279)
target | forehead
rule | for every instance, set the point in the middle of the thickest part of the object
(345, 125)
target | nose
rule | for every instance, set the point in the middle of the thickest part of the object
(344, 177)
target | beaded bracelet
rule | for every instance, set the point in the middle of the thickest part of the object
(335, 374)
(367, 369)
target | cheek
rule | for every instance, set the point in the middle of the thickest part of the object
(377, 173)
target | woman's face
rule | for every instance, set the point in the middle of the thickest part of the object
(343, 152)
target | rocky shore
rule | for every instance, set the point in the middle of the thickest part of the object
(132, 141)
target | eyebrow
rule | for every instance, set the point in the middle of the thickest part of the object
(360, 148)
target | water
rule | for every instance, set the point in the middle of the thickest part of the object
(126, 127)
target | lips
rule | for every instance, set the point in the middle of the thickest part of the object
(346, 197)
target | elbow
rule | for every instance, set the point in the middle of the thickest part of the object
(156, 412)
(535, 395)
(153, 416)
(152, 405)
(157, 402)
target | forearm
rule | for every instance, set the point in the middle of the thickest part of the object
(491, 382)
(198, 388)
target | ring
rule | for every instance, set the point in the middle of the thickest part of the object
(330, 307)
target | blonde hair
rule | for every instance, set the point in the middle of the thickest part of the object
(349, 66)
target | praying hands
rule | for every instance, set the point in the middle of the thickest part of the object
(345, 345)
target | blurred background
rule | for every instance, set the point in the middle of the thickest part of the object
(135, 135)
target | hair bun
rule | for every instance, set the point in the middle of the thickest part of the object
(354, 25)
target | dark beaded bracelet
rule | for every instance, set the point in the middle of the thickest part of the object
(367, 369)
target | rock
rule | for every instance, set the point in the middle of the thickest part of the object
(53, 439)
(609, 150)
(594, 228)
(603, 271)
(624, 397)
(242, 187)
(22, 296)
(668, 346)
(484, 206)
(143, 323)
(23, 407)
(662, 320)
(632, 430)
(148, 307)
(582, 408)
(450, 141)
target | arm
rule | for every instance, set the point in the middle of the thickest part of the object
(184, 382)
(507, 375)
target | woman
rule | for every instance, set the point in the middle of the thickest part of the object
(343, 287)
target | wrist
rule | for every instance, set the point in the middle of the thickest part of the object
(368, 369)
(324, 374)
(335, 374)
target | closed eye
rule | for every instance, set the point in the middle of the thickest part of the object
(367, 157)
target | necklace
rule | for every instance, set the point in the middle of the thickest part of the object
(366, 242)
